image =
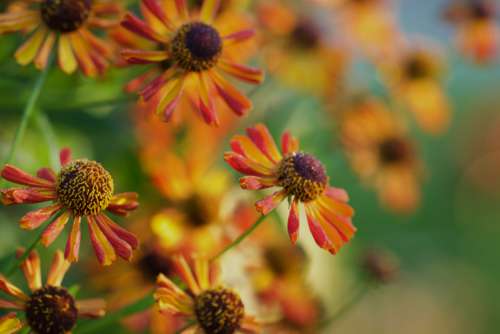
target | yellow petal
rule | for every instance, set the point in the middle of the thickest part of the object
(66, 58)
(28, 51)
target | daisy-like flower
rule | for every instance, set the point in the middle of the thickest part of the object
(299, 50)
(67, 23)
(380, 151)
(478, 33)
(194, 50)
(302, 179)
(82, 188)
(416, 79)
(213, 308)
(49, 308)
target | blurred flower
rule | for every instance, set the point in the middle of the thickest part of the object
(71, 23)
(478, 32)
(50, 308)
(193, 51)
(83, 188)
(212, 308)
(380, 266)
(299, 51)
(380, 151)
(301, 177)
(9, 324)
(415, 76)
(370, 24)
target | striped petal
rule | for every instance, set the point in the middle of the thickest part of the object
(122, 233)
(16, 175)
(293, 222)
(54, 229)
(238, 37)
(82, 54)
(34, 219)
(44, 53)
(121, 247)
(235, 100)
(122, 204)
(205, 103)
(58, 269)
(31, 269)
(246, 166)
(72, 249)
(209, 10)
(261, 137)
(12, 290)
(139, 27)
(269, 203)
(104, 251)
(186, 274)
(10, 324)
(65, 56)
(144, 56)
(257, 183)
(289, 144)
(170, 96)
(28, 51)
(242, 72)
(182, 9)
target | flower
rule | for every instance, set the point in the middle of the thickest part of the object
(478, 33)
(50, 308)
(67, 22)
(415, 76)
(299, 50)
(301, 177)
(379, 150)
(83, 188)
(193, 50)
(214, 309)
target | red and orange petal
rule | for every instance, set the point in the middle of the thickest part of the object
(176, 84)
(78, 49)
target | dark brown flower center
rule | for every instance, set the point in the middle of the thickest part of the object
(84, 187)
(394, 150)
(51, 310)
(302, 176)
(152, 263)
(65, 15)
(219, 311)
(196, 47)
(306, 34)
(480, 9)
(416, 67)
(199, 213)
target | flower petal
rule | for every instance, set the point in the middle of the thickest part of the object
(235, 100)
(122, 233)
(28, 51)
(16, 175)
(205, 103)
(238, 37)
(55, 228)
(58, 269)
(139, 27)
(121, 247)
(72, 249)
(34, 219)
(170, 96)
(122, 204)
(293, 222)
(31, 269)
(209, 10)
(12, 290)
(257, 183)
(269, 203)
(65, 156)
(242, 72)
(289, 144)
(43, 55)
(104, 251)
(261, 137)
(91, 308)
(9, 324)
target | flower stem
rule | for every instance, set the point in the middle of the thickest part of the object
(28, 111)
(242, 237)
(356, 297)
(12, 268)
(95, 326)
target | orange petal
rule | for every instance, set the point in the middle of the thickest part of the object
(34, 219)
(235, 100)
(58, 269)
(170, 96)
(28, 51)
(269, 203)
(242, 72)
(72, 249)
(209, 10)
(31, 270)
(103, 249)
(54, 229)
(44, 53)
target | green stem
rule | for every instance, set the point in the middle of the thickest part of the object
(12, 268)
(344, 309)
(242, 237)
(28, 111)
(46, 130)
(95, 326)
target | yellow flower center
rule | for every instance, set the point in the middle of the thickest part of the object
(196, 47)
(394, 150)
(84, 187)
(302, 176)
(65, 15)
(219, 311)
(51, 310)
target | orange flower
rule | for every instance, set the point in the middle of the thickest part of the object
(50, 308)
(301, 177)
(478, 32)
(415, 76)
(193, 49)
(211, 307)
(83, 188)
(70, 23)
(380, 151)
(299, 50)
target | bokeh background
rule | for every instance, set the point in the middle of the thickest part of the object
(448, 248)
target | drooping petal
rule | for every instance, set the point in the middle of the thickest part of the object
(122, 204)
(235, 100)
(318, 232)
(122, 233)
(55, 228)
(10, 324)
(121, 247)
(72, 249)
(269, 203)
(257, 183)
(293, 222)
(104, 251)
(82, 54)
(242, 72)
(28, 51)
(34, 219)
(58, 269)
(91, 308)
(12, 290)
(16, 175)
(170, 96)
(205, 103)
(31, 269)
